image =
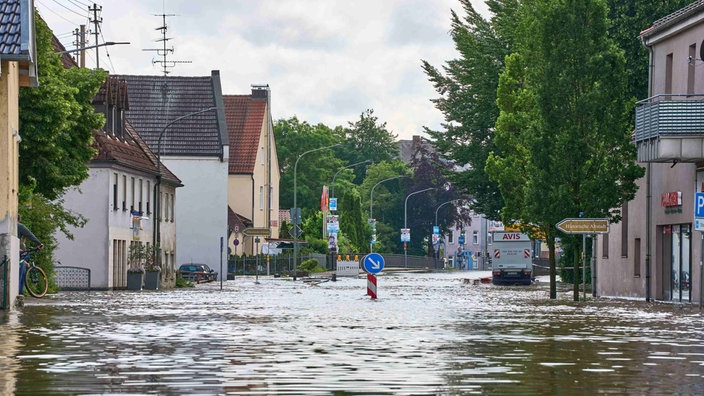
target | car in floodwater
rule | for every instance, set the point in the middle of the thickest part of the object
(197, 272)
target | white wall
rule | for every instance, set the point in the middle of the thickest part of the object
(90, 246)
(201, 209)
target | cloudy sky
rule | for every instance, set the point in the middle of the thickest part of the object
(324, 60)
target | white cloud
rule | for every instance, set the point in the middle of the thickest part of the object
(325, 60)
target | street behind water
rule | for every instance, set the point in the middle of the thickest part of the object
(428, 333)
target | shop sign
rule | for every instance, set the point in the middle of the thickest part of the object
(670, 199)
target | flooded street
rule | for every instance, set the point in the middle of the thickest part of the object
(426, 334)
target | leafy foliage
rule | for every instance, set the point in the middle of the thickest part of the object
(367, 138)
(56, 122)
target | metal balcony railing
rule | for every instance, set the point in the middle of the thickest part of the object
(669, 115)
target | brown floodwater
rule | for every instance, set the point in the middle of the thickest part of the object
(427, 333)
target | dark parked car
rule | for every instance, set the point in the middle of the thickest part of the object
(197, 272)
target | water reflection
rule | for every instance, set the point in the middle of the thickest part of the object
(427, 333)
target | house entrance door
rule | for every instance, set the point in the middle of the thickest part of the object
(677, 263)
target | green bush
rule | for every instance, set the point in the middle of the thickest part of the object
(311, 265)
(181, 282)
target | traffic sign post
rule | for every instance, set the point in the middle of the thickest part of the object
(584, 226)
(372, 264)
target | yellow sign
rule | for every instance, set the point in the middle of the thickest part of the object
(256, 231)
(583, 226)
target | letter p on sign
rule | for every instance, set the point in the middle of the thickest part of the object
(699, 205)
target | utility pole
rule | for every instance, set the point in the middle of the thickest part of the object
(96, 21)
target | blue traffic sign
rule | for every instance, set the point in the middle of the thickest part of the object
(699, 205)
(373, 263)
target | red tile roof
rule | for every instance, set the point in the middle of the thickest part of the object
(245, 117)
(131, 152)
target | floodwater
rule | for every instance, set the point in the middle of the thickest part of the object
(427, 333)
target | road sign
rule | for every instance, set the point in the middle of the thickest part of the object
(405, 234)
(256, 231)
(583, 226)
(373, 263)
(295, 231)
(699, 205)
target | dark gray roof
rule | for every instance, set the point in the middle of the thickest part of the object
(17, 33)
(674, 18)
(155, 101)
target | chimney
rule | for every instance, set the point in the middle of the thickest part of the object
(260, 91)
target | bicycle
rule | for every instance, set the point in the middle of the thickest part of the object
(35, 279)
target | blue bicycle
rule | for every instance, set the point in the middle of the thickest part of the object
(35, 279)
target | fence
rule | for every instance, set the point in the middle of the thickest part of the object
(72, 278)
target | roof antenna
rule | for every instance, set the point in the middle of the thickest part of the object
(164, 51)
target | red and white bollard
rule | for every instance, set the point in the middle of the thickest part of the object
(371, 286)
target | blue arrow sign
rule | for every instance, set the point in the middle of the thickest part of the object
(373, 263)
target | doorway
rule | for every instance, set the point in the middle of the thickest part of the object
(677, 263)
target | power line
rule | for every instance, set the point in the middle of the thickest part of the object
(55, 13)
(70, 10)
(112, 67)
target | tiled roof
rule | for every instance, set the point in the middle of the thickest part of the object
(674, 18)
(66, 59)
(156, 101)
(245, 116)
(236, 219)
(10, 27)
(130, 151)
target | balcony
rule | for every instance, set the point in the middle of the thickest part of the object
(670, 128)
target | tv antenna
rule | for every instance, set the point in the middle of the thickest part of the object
(164, 51)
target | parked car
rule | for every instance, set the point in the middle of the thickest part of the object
(197, 272)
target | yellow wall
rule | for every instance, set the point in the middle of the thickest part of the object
(9, 138)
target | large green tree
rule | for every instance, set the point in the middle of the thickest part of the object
(575, 143)
(367, 139)
(467, 88)
(293, 138)
(56, 122)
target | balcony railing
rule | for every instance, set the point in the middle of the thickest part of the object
(670, 128)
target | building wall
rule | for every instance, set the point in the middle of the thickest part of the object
(201, 209)
(90, 245)
(452, 245)
(262, 168)
(9, 148)
(621, 271)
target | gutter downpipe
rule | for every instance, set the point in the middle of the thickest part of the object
(648, 196)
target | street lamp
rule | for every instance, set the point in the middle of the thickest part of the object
(157, 187)
(371, 201)
(436, 223)
(295, 203)
(405, 219)
(332, 194)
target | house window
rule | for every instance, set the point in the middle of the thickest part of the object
(133, 190)
(261, 197)
(124, 192)
(450, 237)
(161, 206)
(636, 258)
(271, 197)
(690, 69)
(668, 74)
(149, 194)
(166, 207)
(624, 230)
(114, 192)
(141, 194)
(173, 205)
(261, 155)
(475, 237)
(605, 246)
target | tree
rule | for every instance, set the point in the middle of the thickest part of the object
(56, 122)
(351, 220)
(467, 91)
(368, 139)
(569, 114)
(293, 138)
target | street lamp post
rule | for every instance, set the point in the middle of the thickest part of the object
(371, 201)
(332, 193)
(436, 223)
(157, 186)
(295, 203)
(405, 220)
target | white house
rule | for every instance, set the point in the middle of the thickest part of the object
(117, 200)
(184, 118)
